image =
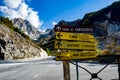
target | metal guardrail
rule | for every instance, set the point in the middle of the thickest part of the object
(93, 75)
(107, 62)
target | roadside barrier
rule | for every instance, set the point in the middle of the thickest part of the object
(108, 59)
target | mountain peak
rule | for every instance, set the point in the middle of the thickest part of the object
(26, 27)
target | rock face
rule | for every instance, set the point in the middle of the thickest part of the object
(14, 46)
(26, 27)
(44, 37)
(32, 32)
(106, 24)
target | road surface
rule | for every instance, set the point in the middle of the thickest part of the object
(49, 69)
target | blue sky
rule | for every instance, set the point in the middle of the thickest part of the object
(45, 13)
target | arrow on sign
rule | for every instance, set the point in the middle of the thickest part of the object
(58, 44)
(58, 28)
(59, 35)
(74, 45)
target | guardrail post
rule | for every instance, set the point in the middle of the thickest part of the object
(118, 61)
(77, 72)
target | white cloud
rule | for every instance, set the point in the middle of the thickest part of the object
(12, 3)
(33, 18)
(54, 23)
(19, 9)
(4, 9)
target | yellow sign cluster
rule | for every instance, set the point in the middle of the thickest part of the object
(70, 46)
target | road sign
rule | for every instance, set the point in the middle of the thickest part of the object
(76, 55)
(74, 45)
(57, 52)
(81, 29)
(74, 36)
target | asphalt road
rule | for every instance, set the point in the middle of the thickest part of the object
(48, 69)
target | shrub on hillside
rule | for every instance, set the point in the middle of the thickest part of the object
(8, 23)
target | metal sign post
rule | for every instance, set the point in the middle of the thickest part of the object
(66, 70)
(77, 72)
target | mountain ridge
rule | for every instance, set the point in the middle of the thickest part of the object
(34, 34)
(26, 27)
(14, 45)
(106, 28)
(105, 23)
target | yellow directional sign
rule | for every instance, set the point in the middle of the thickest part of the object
(74, 45)
(58, 52)
(76, 55)
(74, 36)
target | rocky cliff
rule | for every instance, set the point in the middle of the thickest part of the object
(39, 36)
(106, 23)
(27, 28)
(14, 46)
